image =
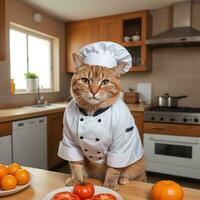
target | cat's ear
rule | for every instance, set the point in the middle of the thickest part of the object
(119, 69)
(78, 61)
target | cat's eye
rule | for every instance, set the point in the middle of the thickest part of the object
(105, 82)
(85, 81)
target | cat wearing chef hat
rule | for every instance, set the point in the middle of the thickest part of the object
(100, 137)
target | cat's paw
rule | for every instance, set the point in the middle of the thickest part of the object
(112, 185)
(123, 180)
(70, 181)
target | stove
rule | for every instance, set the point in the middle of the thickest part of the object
(178, 115)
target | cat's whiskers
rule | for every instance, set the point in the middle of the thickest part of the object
(79, 98)
(94, 95)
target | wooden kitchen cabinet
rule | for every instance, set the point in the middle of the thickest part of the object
(5, 128)
(139, 120)
(78, 34)
(112, 28)
(108, 29)
(54, 127)
(138, 23)
(172, 129)
(84, 32)
(2, 30)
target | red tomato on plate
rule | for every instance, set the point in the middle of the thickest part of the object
(84, 190)
(65, 196)
(106, 196)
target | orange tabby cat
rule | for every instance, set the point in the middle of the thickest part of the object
(94, 88)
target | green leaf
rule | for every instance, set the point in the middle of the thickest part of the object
(30, 75)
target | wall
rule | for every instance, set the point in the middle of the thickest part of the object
(174, 70)
(20, 13)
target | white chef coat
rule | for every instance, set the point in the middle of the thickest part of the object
(110, 137)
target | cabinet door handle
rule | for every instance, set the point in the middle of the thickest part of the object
(41, 120)
(157, 128)
(172, 141)
(20, 124)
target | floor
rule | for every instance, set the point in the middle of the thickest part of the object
(151, 177)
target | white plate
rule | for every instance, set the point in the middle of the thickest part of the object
(98, 190)
(17, 189)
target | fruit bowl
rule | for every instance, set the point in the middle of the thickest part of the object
(17, 189)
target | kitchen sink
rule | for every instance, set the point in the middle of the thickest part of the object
(42, 105)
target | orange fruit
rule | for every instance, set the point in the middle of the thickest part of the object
(22, 176)
(8, 182)
(12, 168)
(166, 190)
(3, 171)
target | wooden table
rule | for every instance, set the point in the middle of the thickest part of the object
(45, 181)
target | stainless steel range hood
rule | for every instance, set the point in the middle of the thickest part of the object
(181, 33)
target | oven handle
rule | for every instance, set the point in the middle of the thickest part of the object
(172, 141)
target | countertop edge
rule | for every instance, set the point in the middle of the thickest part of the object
(27, 115)
(30, 112)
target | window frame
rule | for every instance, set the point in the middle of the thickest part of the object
(35, 33)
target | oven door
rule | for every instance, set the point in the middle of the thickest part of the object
(173, 150)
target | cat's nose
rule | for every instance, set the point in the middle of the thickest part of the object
(93, 92)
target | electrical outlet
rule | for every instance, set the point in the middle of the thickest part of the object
(2, 99)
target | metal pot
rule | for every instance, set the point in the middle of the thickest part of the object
(168, 101)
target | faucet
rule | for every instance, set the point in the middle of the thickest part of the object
(40, 98)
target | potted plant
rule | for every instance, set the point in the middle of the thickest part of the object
(31, 81)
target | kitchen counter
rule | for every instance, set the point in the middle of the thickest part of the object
(138, 107)
(45, 181)
(13, 114)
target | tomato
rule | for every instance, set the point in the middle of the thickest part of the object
(166, 190)
(65, 196)
(84, 190)
(106, 196)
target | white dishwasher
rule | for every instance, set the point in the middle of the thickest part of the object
(29, 139)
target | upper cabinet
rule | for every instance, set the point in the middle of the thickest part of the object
(130, 30)
(78, 34)
(2, 29)
(136, 29)
(108, 29)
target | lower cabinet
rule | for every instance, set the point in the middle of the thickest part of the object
(139, 119)
(5, 150)
(5, 143)
(54, 127)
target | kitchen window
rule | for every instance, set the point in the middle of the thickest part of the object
(31, 51)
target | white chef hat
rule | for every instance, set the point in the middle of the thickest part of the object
(107, 54)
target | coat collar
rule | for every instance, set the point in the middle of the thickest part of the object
(98, 112)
